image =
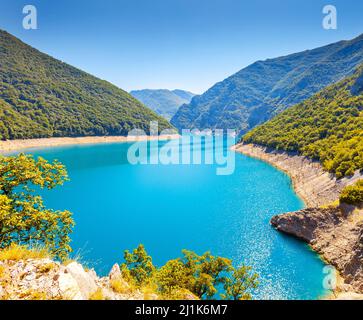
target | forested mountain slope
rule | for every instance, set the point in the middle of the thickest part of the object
(44, 97)
(327, 127)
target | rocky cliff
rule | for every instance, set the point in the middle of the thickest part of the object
(335, 233)
(43, 279)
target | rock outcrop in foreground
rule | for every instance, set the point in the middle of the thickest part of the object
(38, 279)
(336, 234)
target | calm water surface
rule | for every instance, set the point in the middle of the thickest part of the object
(117, 206)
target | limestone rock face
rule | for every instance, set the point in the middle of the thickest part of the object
(68, 287)
(335, 233)
(34, 279)
(115, 272)
(85, 282)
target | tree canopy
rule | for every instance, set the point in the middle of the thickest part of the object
(23, 217)
(205, 276)
(353, 194)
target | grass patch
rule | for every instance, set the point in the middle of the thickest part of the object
(149, 292)
(45, 268)
(33, 295)
(97, 295)
(2, 272)
(334, 204)
(120, 286)
(16, 252)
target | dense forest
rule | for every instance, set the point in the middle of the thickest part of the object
(44, 97)
(327, 127)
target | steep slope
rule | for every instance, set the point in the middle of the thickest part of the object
(164, 102)
(327, 127)
(265, 88)
(44, 97)
(186, 95)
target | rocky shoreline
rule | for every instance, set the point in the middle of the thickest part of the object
(311, 182)
(335, 232)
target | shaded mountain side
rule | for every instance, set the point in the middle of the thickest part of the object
(265, 88)
(327, 127)
(44, 97)
(164, 102)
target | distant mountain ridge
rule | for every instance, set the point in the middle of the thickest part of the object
(164, 102)
(44, 97)
(265, 88)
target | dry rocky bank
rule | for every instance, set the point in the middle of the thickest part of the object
(45, 279)
(336, 233)
(38, 279)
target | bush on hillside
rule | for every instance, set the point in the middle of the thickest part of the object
(353, 194)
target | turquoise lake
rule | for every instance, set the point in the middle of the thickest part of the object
(117, 206)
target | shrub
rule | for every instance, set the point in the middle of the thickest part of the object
(138, 266)
(353, 194)
(121, 286)
(97, 295)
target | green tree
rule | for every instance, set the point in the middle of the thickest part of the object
(353, 194)
(240, 284)
(203, 276)
(23, 217)
(205, 272)
(172, 277)
(138, 266)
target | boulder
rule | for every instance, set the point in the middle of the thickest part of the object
(85, 280)
(68, 287)
(115, 272)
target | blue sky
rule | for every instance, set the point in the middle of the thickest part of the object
(186, 44)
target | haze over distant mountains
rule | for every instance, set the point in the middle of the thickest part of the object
(44, 97)
(265, 88)
(164, 102)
